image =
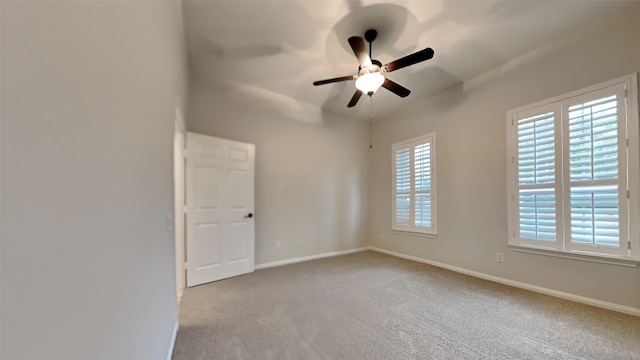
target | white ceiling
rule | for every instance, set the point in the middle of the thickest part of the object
(272, 51)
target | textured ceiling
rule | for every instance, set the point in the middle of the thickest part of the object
(272, 51)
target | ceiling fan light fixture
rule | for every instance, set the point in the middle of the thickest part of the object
(369, 83)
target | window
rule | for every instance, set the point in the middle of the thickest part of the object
(573, 172)
(414, 185)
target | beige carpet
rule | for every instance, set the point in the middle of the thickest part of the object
(374, 306)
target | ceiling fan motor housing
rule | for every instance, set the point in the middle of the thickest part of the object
(375, 67)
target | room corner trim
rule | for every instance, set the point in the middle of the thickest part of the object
(539, 289)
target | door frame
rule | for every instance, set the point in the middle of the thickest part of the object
(179, 148)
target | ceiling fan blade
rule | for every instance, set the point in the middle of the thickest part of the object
(396, 88)
(411, 59)
(360, 50)
(355, 98)
(328, 81)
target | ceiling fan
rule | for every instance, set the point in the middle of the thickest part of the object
(371, 73)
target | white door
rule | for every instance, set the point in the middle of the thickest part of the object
(220, 222)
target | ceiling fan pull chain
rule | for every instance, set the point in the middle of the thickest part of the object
(371, 122)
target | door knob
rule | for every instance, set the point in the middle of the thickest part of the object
(250, 215)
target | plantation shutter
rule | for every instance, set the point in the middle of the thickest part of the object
(537, 167)
(403, 186)
(573, 172)
(422, 161)
(414, 185)
(596, 165)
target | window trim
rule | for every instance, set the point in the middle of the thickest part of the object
(632, 182)
(412, 229)
(576, 255)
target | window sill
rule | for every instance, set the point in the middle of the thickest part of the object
(612, 260)
(415, 233)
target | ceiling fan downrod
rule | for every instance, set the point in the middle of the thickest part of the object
(370, 35)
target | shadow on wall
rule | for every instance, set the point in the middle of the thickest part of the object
(345, 205)
(289, 107)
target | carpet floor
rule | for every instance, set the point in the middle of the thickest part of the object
(374, 306)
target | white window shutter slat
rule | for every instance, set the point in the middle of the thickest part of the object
(413, 188)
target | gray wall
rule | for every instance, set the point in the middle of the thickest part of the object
(471, 137)
(311, 168)
(88, 97)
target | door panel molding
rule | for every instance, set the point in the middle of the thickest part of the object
(220, 193)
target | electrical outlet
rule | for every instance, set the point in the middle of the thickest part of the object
(499, 257)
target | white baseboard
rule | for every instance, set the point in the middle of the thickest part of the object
(173, 341)
(307, 258)
(559, 294)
